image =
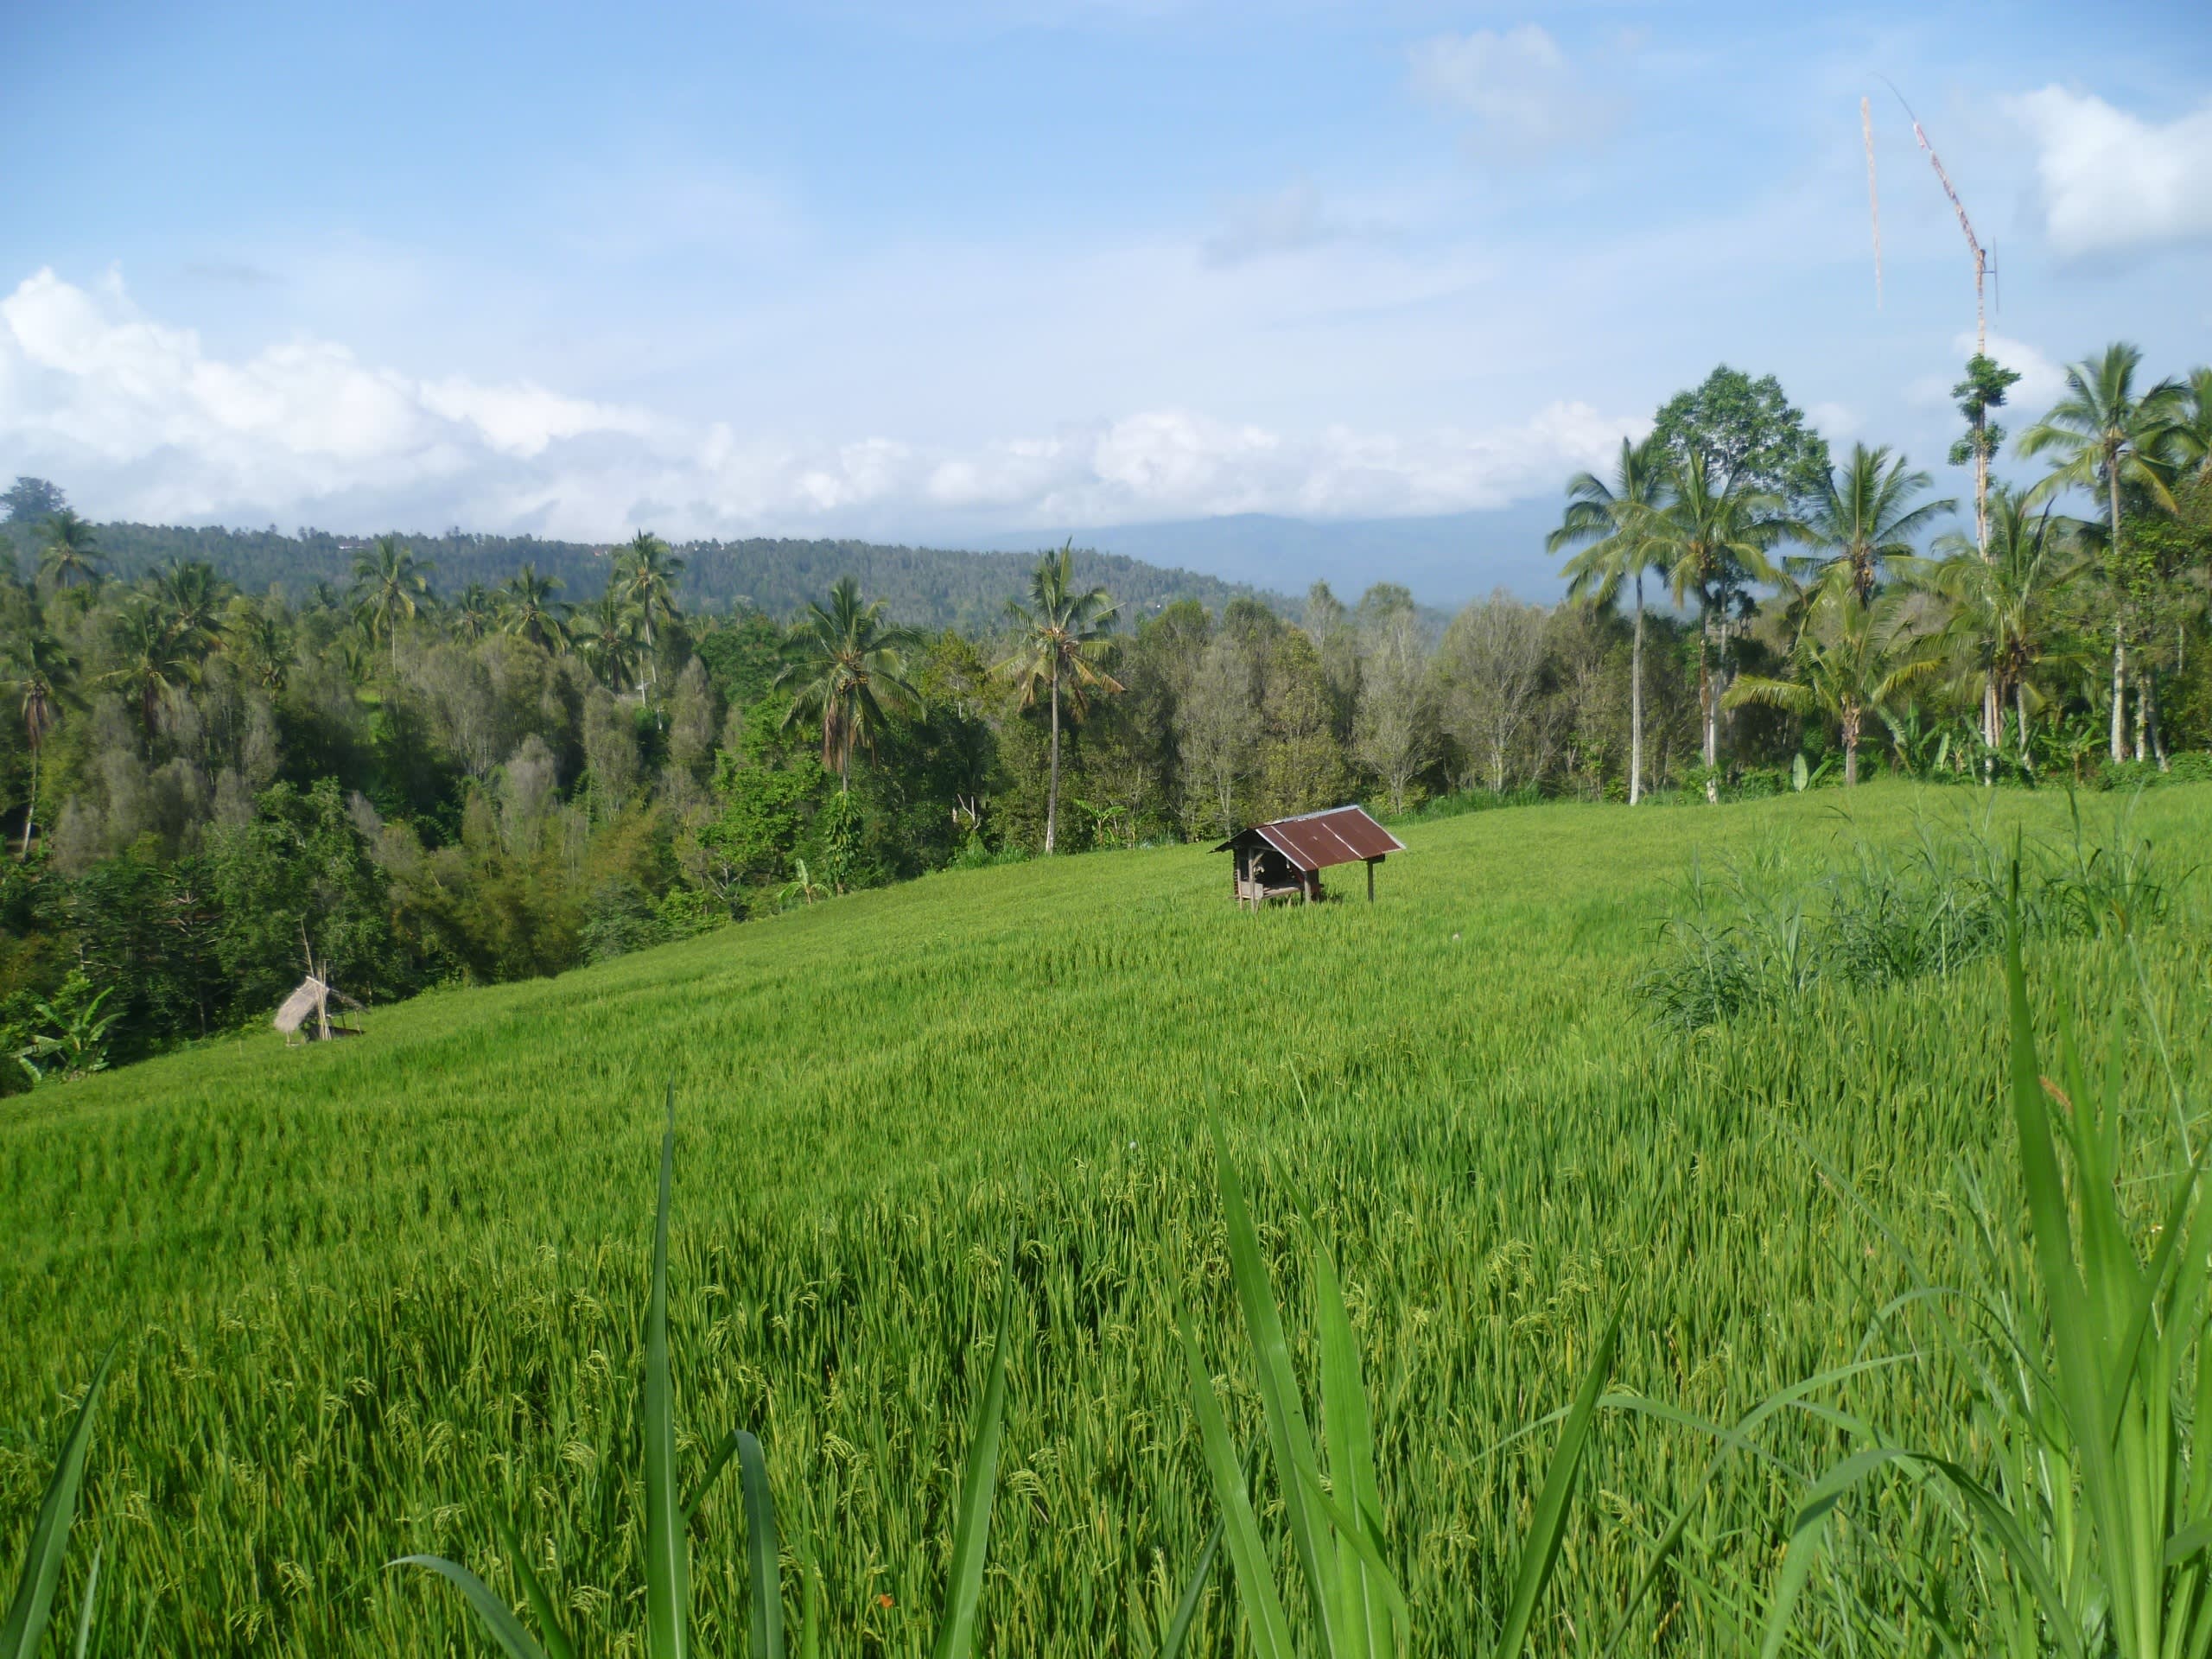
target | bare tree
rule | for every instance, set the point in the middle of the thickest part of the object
(1395, 734)
(1217, 731)
(1493, 661)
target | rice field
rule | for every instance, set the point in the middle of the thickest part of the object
(373, 1296)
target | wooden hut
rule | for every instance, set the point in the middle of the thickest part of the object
(1285, 858)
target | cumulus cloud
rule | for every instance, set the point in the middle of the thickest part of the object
(139, 420)
(1517, 89)
(2110, 180)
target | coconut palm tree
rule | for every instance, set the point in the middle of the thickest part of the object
(846, 669)
(1867, 512)
(475, 612)
(257, 639)
(392, 587)
(2006, 615)
(1711, 540)
(152, 667)
(645, 576)
(529, 610)
(1065, 636)
(605, 636)
(69, 552)
(45, 670)
(2107, 437)
(1618, 523)
(191, 597)
(2190, 441)
(1851, 661)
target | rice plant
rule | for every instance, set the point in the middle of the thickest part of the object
(2081, 1493)
(668, 1517)
(392, 1293)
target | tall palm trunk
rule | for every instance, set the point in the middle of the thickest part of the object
(2020, 708)
(30, 808)
(1851, 716)
(1709, 691)
(1635, 702)
(2118, 623)
(2147, 703)
(1052, 785)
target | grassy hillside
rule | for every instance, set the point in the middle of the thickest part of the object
(372, 1294)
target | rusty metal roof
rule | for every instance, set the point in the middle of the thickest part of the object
(1316, 841)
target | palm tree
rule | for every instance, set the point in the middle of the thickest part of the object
(844, 668)
(1619, 523)
(1850, 661)
(152, 667)
(1712, 543)
(70, 553)
(191, 598)
(260, 642)
(606, 635)
(2005, 614)
(390, 586)
(646, 575)
(529, 609)
(475, 612)
(1063, 636)
(1868, 512)
(47, 667)
(2190, 440)
(2105, 437)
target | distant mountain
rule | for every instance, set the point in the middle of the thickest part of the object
(1444, 560)
(925, 586)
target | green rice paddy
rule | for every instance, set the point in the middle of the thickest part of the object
(371, 1296)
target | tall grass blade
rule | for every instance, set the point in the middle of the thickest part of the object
(557, 1644)
(667, 1590)
(760, 1549)
(712, 1474)
(809, 1614)
(1194, 1595)
(1539, 1549)
(1247, 1553)
(498, 1617)
(1347, 1433)
(956, 1637)
(1289, 1437)
(33, 1602)
(85, 1608)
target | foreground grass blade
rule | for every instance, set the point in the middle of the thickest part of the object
(28, 1614)
(956, 1637)
(557, 1645)
(1288, 1434)
(668, 1588)
(1347, 1431)
(712, 1473)
(1539, 1549)
(1194, 1593)
(85, 1608)
(1247, 1553)
(498, 1617)
(760, 1549)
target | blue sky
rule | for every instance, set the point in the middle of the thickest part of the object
(939, 272)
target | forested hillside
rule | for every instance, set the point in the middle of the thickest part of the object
(927, 587)
(425, 764)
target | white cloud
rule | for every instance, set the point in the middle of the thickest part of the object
(138, 420)
(1517, 88)
(1288, 220)
(2110, 180)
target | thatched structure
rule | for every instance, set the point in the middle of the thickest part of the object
(313, 997)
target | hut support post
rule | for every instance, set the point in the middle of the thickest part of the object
(1370, 881)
